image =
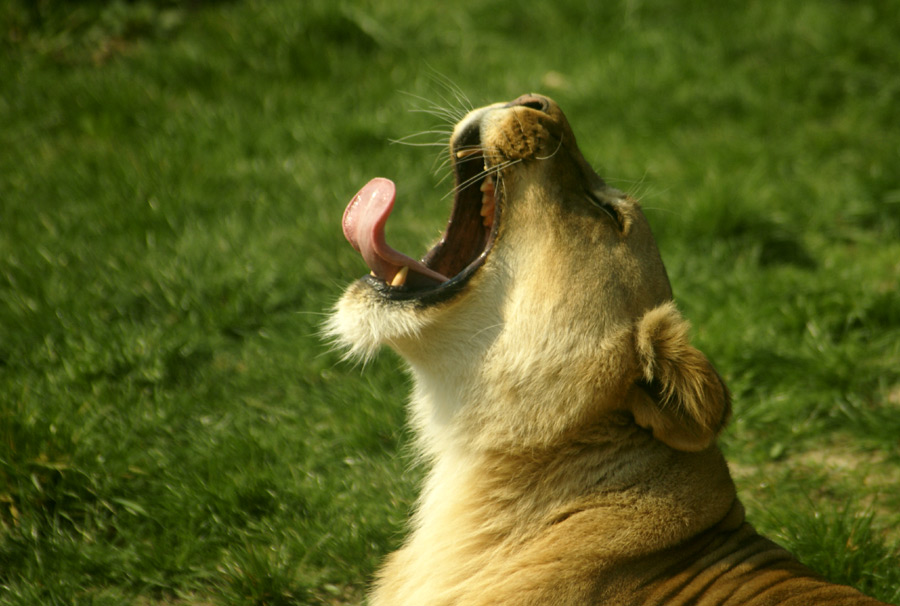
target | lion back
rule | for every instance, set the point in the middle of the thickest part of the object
(738, 569)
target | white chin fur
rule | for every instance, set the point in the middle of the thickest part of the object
(360, 325)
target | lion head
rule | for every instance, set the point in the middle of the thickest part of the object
(543, 311)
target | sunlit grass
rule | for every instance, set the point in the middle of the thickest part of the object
(172, 176)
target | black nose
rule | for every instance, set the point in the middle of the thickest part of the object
(542, 104)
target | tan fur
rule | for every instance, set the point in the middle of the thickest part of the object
(568, 423)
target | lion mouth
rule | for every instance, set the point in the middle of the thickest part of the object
(461, 250)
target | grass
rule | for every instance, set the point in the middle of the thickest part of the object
(172, 429)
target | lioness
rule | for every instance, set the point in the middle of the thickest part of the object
(568, 423)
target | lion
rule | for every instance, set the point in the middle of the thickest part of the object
(568, 424)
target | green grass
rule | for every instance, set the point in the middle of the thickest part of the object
(172, 177)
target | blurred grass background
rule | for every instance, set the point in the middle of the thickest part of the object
(172, 176)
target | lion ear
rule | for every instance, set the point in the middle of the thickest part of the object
(688, 402)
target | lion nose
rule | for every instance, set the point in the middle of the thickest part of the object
(537, 102)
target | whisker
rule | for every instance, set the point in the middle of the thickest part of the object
(639, 189)
(504, 165)
(452, 105)
(454, 89)
(453, 113)
(465, 153)
(431, 108)
(555, 151)
(466, 183)
(475, 335)
(444, 160)
(445, 114)
(442, 164)
(442, 179)
(660, 209)
(414, 144)
(417, 97)
(481, 175)
(441, 161)
(436, 131)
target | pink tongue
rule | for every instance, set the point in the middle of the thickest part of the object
(363, 225)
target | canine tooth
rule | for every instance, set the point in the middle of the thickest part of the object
(465, 153)
(400, 276)
(487, 184)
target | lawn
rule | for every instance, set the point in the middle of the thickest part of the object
(172, 176)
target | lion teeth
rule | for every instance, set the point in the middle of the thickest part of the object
(465, 153)
(400, 276)
(487, 201)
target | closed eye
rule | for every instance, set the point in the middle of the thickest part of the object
(607, 207)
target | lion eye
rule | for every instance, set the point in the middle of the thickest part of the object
(607, 207)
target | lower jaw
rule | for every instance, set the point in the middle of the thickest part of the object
(427, 296)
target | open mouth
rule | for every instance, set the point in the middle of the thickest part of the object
(462, 248)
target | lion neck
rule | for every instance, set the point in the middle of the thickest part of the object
(478, 504)
(523, 444)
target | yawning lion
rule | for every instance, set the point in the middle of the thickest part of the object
(569, 425)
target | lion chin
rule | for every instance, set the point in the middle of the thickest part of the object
(569, 425)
